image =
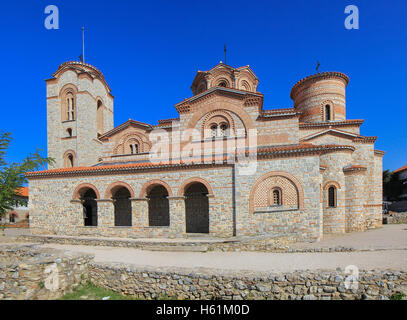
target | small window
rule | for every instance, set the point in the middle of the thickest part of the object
(214, 130)
(223, 130)
(70, 160)
(277, 197)
(69, 132)
(332, 197)
(328, 113)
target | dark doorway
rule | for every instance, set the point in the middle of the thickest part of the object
(90, 208)
(122, 207)
(158, 207)
(197, 209)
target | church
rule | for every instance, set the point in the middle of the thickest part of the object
(225, 166)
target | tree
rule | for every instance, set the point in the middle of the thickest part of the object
(391, 185)
(12, 175)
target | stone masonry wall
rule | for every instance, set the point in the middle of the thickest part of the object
(27, 272)
(207, 284)
(52, 210)
(304, 224)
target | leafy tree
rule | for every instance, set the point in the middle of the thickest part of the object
(391, 185)
(12, 175)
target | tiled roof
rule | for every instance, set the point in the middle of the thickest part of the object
(401, 169)
(22, 191)
(331, 123)
(261, 152)
(329, 74)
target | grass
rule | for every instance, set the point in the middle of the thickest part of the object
(397, 296)
(90, 292)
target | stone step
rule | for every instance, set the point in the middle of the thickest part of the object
(172, 248)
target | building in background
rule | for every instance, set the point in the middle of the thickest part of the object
(402, 176)
(19, 212)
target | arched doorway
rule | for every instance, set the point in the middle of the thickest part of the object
(90, 208)
(158, 207)
(122, 207)
(196, 209)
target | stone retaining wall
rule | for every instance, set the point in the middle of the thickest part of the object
(396, 217)
(147, 283)
(27, 272)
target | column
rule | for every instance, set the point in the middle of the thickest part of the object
(139, 214)
(177, 216)
(105, 213)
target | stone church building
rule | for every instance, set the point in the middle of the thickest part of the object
(225, 166)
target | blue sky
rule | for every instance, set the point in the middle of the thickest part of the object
(149, 52)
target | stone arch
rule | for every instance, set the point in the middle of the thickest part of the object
(82, 187)
(115, 185)
(295, 182)
(192, 180)
(150, 184)
(240, 113)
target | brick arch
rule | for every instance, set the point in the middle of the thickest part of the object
(111, 188)
(148, 185)
(242, 114)
(289, 177)
(331, 183)
(77, 195)
(192, 180)
(206, 123)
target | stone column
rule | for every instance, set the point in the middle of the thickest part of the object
(177, 216)
(213, 227)
(77, 219)
(355, 199)
(105, 213)
(139, 212)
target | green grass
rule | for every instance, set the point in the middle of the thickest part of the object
(397, 296)
(91, 292)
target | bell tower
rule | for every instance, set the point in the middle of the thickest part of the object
(79, 110)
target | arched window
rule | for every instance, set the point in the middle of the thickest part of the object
(222, 84)
(69, 132)
(277, 197)
(332, 196)
(214, 130)
(69, 159)
(223, 130)
(99, 117)
(70, 103)
(328, 116)
(134, 148)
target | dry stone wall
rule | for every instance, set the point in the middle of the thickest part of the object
(27, 272)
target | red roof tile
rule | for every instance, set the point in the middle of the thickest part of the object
(401, 169)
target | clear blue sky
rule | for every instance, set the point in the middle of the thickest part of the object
(149, 52)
